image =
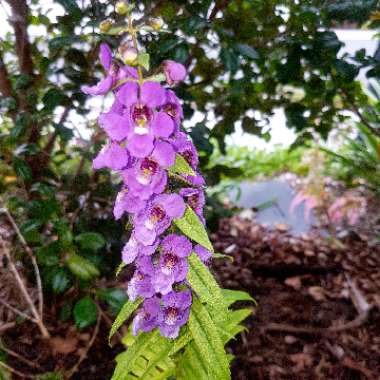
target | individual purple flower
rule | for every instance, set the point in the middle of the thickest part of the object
(132, 249)
(116, 126)
(111, 156)
(140, 284)
(174, 313)
(174, 72)
(114, 73)
(186, 149)
(195, 198)
(145, 124)
(172, 266)
(203, 253)
(147, 316)
(157, 217)
(172, 107)
(127, 202)
(147, 176)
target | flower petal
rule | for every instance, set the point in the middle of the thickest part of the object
(164, 154)
(152, 94)
(128, 93)
(162, 125)
(100, 88)
(105, 56)
(116, 126)
(140, 146)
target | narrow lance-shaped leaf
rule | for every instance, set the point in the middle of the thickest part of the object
(208, 341)
(181, 166)
(125, 312)
(192, 227)
(206, 288)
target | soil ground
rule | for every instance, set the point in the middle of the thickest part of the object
(318, 313)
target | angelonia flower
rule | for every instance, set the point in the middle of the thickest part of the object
(347, 208)
(143, 127)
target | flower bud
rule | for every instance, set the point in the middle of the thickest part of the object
(128, 54)
(174, 72)
(121, 8)
(105, 26)
(156, 23)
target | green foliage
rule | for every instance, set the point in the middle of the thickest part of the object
(192, 227)
(197, 353)
(256, 163)
(85, 313)
(115, 298)
(359, 158)
(181, 166)
(126, 311)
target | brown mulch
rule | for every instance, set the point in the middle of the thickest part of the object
(302, 288)
(303, 294)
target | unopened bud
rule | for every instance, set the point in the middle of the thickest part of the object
(105, 26)
(156, 23)
(128, 54)
(121, 8)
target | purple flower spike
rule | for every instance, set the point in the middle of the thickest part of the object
(127, 202)
(174, 72)
(172, 266)
(112, 156)
(203, 253)
(174, 313)
(186, 149)
(173, 107)
(114, 73)
(146, 123)
(147, 176)
(157, 217)
(105, 56)
(141, 283)
(116, 126)
(133, 249)
(146, 318)
(195, 198)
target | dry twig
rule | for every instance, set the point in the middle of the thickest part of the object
(83, 356)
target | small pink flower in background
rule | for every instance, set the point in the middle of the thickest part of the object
(310, 202)
(347, 208)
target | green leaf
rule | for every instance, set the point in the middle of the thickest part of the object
(81, 267)
(22, 169)
(146, 358)
(53, 98)
(229, 59)
(230, 296)
(30, 230)
(181, 166)
(49, 254)
(115, 298)
(85, 313)
(247, 51)
(206, 288)
(192, 227)
(143, 60)
(60, 280)
(63, 41)
(90, 240)
(125, 312)
(208, 341)
(120, 268)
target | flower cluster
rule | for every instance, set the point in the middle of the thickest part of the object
(143, 127)
(347, 208)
